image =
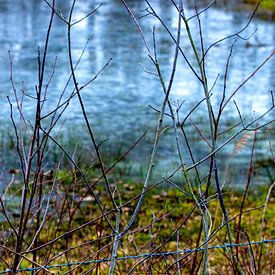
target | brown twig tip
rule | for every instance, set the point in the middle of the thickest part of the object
(15, 171)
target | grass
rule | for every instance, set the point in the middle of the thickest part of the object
(163, 211)
(68, 214)
(266, 9)
(265, 4)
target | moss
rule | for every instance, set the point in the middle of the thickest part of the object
(266, 8)
(265, 4)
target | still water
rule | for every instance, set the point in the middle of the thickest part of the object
(117, 102)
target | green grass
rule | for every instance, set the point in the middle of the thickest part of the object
(266, 8)
(265, 4)
(162, 212)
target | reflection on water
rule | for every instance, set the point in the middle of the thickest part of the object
(117, 102)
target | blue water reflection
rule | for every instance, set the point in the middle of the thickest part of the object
(117, 102)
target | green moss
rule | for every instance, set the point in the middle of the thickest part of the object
(266, 8)
(265, 4)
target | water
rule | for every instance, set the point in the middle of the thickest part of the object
(117, 101)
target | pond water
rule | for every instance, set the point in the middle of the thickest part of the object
(117, 102)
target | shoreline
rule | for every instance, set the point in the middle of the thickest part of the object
(266, 9)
